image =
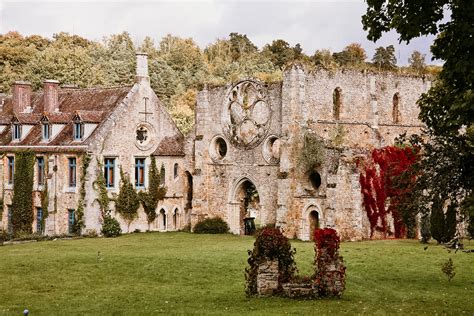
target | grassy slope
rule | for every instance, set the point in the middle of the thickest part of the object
(186, 273)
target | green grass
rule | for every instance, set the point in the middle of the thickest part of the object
(182, 273)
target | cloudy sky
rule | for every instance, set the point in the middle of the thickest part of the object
(315, 24)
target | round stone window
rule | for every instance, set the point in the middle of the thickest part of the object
(218, 148)
(144, 136)
(271, 149)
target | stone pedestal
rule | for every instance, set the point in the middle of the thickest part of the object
(267, 278)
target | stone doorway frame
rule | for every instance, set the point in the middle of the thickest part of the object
(233, 208)
(305, 224)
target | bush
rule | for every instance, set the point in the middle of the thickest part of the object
(111, 227)
(214, 225)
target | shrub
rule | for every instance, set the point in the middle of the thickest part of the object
(215, 225)
(111, 227)
(22, 201)
(270, 244)
(448, 269)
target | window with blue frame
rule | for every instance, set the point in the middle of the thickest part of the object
(46, 131)
(71, 220)
(11, 169)
(16, 132)
(78, 131)
(40, 164)
(109, 172)
(39, 220)
(72, 172)
(139, 172)
(9, 219)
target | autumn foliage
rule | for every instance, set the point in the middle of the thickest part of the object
(385, 185)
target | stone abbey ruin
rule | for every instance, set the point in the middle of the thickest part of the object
(279, 153)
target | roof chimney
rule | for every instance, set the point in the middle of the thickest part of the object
(21, 96)
(142, 68)
(51, 96)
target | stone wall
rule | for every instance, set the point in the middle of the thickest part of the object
(303, 103)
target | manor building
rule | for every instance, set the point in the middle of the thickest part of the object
(244, 159)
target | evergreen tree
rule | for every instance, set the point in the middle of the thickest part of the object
(450, 229)
(417, 62)
(425, 228)
(384, 58)
(127, 202)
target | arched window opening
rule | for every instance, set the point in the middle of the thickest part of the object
(189, 191)
(175, 170)
(162, 175)
(175, 218)
(163, 219)
(336, 99)
(396, 109)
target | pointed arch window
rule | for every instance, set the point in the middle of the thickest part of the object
(16, 129)
(336, 99)
(78, 131)
(396, 108)
(45, 129)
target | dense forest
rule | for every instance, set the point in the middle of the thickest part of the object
(178, 66)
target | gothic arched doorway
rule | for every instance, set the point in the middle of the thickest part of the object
(313, 223)
(244, 212)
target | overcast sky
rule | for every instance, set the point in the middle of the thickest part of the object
(315, 24)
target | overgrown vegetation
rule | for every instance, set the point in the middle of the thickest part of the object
(270, 244)
(44, 195)
(313, 153)
(22, 201)
(214, 225)
(81, 204)
(156, 192)
(127, 202)
(111, 227)
(101, 188)
(448, 269)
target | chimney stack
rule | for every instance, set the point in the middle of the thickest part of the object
(142, 68)
(21, 96)
(51, 96)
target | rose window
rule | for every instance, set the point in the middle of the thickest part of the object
(247, 114)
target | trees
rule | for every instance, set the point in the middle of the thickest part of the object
(384, 58)
(281, 53)
(127, 202)
(447, 109)
(352, 55)
(417, 62)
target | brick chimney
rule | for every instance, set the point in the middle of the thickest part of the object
(21, 96)
(142, 68)
(51, 96)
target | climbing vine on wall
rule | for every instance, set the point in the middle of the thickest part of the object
(81, 204)
(156, 192)
(44, 195)
(127, 202)
(101, 188)
(385, 185)
(22, 201)
(313, 152)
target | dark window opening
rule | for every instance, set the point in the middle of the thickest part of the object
(336, 98)
(221, 147)
(395, 109)
(315, 179)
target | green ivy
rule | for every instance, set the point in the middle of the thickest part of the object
(156, 192)
(44, 194)
(79, 224)
(127, 202)
(22, 201)
(101, 188)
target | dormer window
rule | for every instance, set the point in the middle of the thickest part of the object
(46, 131)
(16, 131)
(78, 132)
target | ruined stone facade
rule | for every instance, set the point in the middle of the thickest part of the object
(251, 135)
(242, 160)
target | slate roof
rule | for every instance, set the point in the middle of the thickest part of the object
(92, 105)
(170, 146)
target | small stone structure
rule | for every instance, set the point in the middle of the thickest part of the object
(267, 278)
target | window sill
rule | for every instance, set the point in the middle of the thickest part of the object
(71, 190)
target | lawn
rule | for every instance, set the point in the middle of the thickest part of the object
(183, 273)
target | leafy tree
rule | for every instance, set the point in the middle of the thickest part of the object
(324, 59)
(447, 109)
(127, 202)
(417, 62)
(240, 46)
(280, 52)
(22, 201)
(352, 55)
(384, 58)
